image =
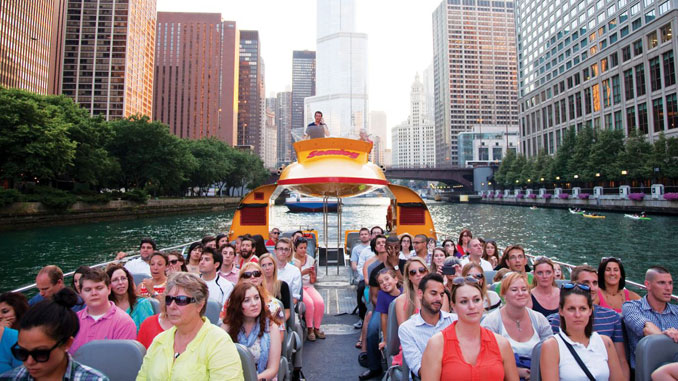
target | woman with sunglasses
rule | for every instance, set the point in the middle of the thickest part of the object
(193, 348)
(194, 254)
(46, 332)
(249, 322)
(545, 294)
(576, 350)
(522, 327)
(611, 282)
(462, 244)
(407, 304)
(491, 300)
(438, 260)
(124, 297)
(465, 350)
(406, 249)
(315, 305)
(491, 253)
(253, 274)
(177, 262)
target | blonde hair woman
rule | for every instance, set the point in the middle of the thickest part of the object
(277, 288)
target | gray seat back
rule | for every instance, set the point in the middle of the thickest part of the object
(212, 311)
(155, 304)
(249, 368)
(393, 341)
(560, 282)
(117, 359)
(534, 364)
(652, 352)
(489, 276)
(138, 278)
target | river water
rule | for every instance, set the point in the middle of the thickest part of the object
(552, 232)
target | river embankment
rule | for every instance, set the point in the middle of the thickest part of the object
(26, 215)
(663, 207)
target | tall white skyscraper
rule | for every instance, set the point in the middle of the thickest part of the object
(414, 144)
(341, 70)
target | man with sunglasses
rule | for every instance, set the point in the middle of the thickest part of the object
(475, 253)
(420, 249)
(101, 319)
(273, 237)
(415, 332)
(219, 288)
(605, 321)
(652, 314)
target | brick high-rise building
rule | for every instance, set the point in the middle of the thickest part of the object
(251, 100)
(196, 75)
(31, 44)
(108, 56)
(303, 86)
(475, 75)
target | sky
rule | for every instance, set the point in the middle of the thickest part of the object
(400, 42)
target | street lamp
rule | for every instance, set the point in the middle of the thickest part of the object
(597, 174)
(624, 172)
(576, 176)
(541, 179)
(557, 177)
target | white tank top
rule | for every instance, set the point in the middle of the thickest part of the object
(594, 357)
(521, 348)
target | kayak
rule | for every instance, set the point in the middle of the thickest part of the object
(592, 216)
(634, 217)
(572, 211)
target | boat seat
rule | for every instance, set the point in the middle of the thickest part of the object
(535, 374)
(155, 304)
(249, 367)
(283, 369)
(139, 277)
(489, 276)
(652, 352)
(212, 311)
(560, 282)
(393, 346)
(117, 359)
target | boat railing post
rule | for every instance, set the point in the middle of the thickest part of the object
(338, 231)
(325, 233)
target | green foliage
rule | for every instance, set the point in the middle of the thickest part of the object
(506, 163)
(214, 161)
(9, 196)
(578, 164)
(136, 195)
(99, 198)
(52, 198)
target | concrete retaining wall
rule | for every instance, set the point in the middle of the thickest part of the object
(626, 206)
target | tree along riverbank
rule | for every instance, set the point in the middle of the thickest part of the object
(25, 215)
(662, 207)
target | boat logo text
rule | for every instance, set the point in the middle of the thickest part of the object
(341, 152)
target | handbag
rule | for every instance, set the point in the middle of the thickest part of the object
(578, 359)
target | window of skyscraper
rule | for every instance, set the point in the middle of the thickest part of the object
(666, 32)
(664, 7)
(628, 84)
(652, 40)
(630, 119)
(637, 48)
(606, 93)
(623, 16)
(616, 91)
(635, 8)
(624, 31)
(621, 3)
(642, 118)
(672, 111)
(637, 23)
(626, 53)
(669, 69)
(658, 114)
(647, 3)
(640, 79)
(613, 38)
(655, 74)
(612, 24)
(618, 120)
(614, 59)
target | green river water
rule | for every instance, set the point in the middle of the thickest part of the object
(552, 232)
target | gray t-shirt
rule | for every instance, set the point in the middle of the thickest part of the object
(315, 131)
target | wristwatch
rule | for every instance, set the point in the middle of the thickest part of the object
(396, 268)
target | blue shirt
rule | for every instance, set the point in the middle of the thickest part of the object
(7, 360)
(605, 321)
(74, 372)
(383, 301)
(638, 312)
(355, 252)
(38, 298)
(414, 335)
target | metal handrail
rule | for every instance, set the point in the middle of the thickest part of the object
(123, 260)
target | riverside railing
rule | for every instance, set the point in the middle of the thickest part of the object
(571, 266)
(182, 246)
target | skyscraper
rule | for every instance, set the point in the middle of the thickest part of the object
(303, 86)
(474, 63)
(196, 75)
(283, 121)
(596, 64)
(378, 133)
(251, 101)
(341, 70)
(413, 141)
(109, 52)
(31, 44)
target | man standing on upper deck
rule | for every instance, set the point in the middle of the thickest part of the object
(317, 129)
(140, 265)
(652, 314)
(475, 250)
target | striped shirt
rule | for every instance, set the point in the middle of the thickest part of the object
(74, 372)
(414, 335)
(605, 322)
(638, 312)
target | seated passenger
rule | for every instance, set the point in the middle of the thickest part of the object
(465, 350)
(668, 372)
(438, 260)
(221, 240)
(177, 262)
(653, 314)
(451, 269)
(194, 253)
(491, 253)
(544, 294)
(415, 332)
(287, 272)
(492, 301)
(249, 322)
(273, 236)
(515, 260)
(558, 272)
(140, 264)
(228, 269)
(577, 352)
(251, 273)
(523, 327)
(462, 243)
(389, 289)
(124, 297)
(219, 288)
(46, 333)
(475, 255)
(193, 349)
(76, 278)
(406, 249)
(209, 241)
(605, 321)
(101, 319)
(49, 281)
(154, 325)
(611, 280)
(13, 305)
(275, 287)
(315, 305)
(8, 337)
(155, 285)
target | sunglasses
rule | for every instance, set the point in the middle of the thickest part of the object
(478, 276)
(39, 355)
(422, 270)
(250, 274)
(180, 300)
(571, 286)
(173, 261)
(603, 259)
(275, 232)
(465, 280)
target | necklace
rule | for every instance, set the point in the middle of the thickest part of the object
(518, 325)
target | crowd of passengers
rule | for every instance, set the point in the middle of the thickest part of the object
(454, 324)
(256, 291)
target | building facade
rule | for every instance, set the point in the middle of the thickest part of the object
(303, 86)
(31, 45)
(196, 75)
(251, 100)
(413, 142)
(341, 70)
(378, 134)
(474, 65)
(600, 64)
(270, 136)
(108, 56)
(283, 120)
(484, 145)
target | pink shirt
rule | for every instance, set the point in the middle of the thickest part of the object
(231, 276)
(115, 324)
